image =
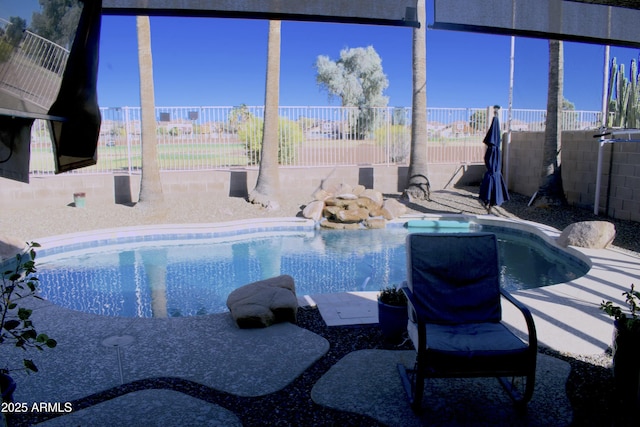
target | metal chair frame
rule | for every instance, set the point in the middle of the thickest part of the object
(429, 361)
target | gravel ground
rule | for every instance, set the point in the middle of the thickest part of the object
(590, 386)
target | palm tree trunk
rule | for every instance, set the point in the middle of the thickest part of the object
(551, 191)
(267, 190)
(150, 185)
(418, 182)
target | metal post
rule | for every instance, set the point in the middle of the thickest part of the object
(605, 88)
(596, 203)
(128, 130)
(601, 141)
(509, 111)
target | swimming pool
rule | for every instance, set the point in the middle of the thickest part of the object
(186, 274)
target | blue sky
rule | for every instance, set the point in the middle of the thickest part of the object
(222, 62)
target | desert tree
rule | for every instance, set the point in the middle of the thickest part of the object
(418, 187)
(551, 191)
(15, 31)
(57, 20)
(267, 190)
(358, 80)
(150, 184)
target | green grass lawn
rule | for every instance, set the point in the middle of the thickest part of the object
(170, 156)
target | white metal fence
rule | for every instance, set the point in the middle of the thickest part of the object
(205, 138)
(31, 67)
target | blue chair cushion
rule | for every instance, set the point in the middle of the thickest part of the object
(470, 347)
(454, 277)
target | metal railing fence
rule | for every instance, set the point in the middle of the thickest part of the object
(31, 68)
(206, 138)
(534, 120)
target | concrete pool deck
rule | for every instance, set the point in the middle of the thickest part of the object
(97, 353)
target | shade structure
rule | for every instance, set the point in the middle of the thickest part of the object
(75, 139)
(493, 190)
(41, 80)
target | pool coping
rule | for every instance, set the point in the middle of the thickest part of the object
(220, 229)
(567, 315)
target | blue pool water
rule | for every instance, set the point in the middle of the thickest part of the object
(148, 277)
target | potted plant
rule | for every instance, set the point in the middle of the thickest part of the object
(626, 345)
(19, 283)
(392, 313)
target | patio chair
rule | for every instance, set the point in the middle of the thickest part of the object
(455, 316)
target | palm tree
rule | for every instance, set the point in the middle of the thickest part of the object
(418, 183)
(551, 191)
(267, 190)
(150, 185)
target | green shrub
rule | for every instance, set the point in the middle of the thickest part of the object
(250, 132)
(5, 50)
(289, 135)
(20, 282)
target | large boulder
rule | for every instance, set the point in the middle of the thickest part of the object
(367, 203)
(588, 234)
(393, 209)
(313, 210)
(372, 223)
(263, 303)
(346, 196)
(352, 215)
(330, 212)
(333, 225)
(341, 203)
(342, 188)
(374, 195)
(358, 189)
(321, 195)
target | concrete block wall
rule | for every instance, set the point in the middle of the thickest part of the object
(579, 168)
(620, 180)
(525, 157)
(623, 199)
(59, 189)
(300, 182)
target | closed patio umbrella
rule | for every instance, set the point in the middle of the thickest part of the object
(493, 190)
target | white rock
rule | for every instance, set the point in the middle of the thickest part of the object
(588, 234)
(313, 210)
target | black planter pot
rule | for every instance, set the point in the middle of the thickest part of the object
(626, 364)
(393, 321)
(7, 387)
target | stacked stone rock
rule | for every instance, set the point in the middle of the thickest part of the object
(352, 207)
